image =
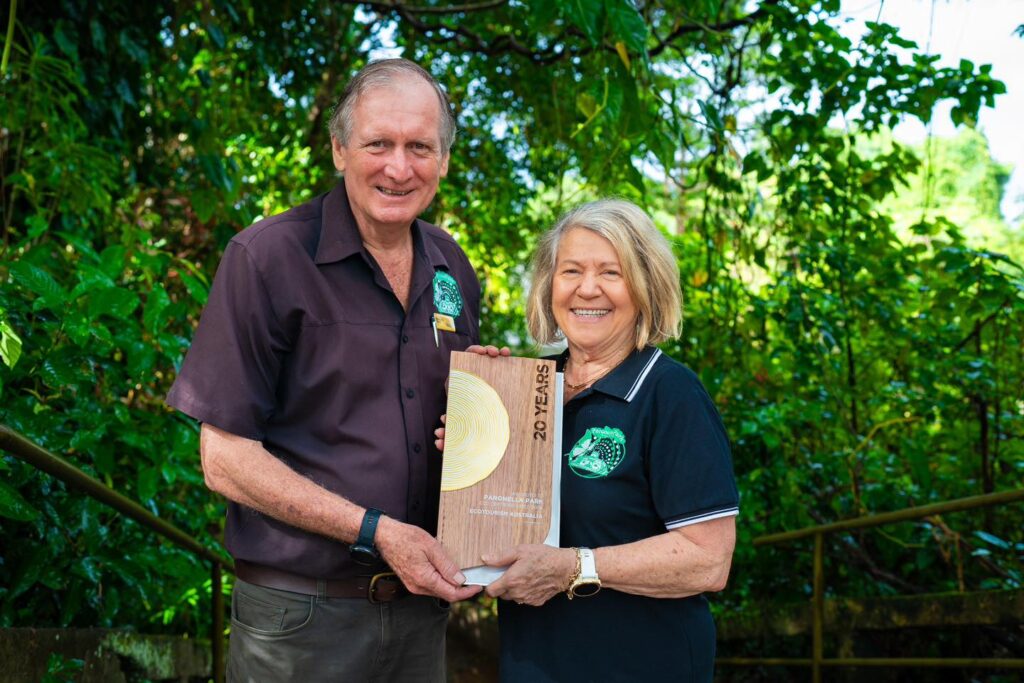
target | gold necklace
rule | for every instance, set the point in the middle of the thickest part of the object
(581, 385)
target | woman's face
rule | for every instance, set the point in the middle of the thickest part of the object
(589, 296)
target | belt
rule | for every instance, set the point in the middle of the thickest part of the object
(382, 587)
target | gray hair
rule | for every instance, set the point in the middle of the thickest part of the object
(384, 73)
(649, 269)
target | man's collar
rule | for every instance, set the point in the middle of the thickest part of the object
(340, 238)
(626, 379)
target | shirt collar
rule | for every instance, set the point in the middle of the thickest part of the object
(339, 235)
(626, 379)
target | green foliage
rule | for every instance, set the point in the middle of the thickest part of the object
(864, 353)
(958, 179)
(62, 670)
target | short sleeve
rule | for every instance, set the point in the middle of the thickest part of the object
(690, 465)
(229, 376)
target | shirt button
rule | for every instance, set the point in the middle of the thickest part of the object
(415, 506)
(416, 448)
(405, 339)
(409, 393)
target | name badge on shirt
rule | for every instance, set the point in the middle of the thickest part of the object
(444, 322)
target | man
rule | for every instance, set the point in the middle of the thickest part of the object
(317, 371)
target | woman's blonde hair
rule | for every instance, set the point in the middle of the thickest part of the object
(649, 269)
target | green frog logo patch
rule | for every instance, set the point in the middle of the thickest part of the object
(447, 298)
(598, 453)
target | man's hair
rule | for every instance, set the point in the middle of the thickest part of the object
(649, 269)
(387, 73)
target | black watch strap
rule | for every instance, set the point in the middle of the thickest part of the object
(368, 529)
(363, 551)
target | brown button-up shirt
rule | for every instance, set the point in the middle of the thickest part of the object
(304, 346)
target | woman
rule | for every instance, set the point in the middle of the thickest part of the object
(648, 496)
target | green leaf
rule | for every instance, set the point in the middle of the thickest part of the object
(38, 281)
(112, 261)
(205, 203)
(14, 506)
(635, 178)
(156, 303)
(992, 540)
(10, 343)
(134, 50)
(99, 36)
(196, 287)
(216, 35)
(149, 478)
(627, 23)
(115, 302)
(586, 103)
(58, 372)
(542, 12)
(711, 115)
(586, 15)
(37, 225)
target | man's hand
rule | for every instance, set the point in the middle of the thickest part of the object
(421, 562)
(535, 574)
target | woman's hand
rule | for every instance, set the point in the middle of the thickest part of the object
(439, 433)
(492, 351)
(535, 573)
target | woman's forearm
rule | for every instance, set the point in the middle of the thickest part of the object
(678, 563)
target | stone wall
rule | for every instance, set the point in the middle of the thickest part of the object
(110, 656)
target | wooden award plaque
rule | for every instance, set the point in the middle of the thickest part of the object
(501, 473)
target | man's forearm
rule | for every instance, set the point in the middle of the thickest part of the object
(244, 471)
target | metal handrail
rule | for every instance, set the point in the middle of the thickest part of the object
(21, 447)
(906, 514)
(817, 659)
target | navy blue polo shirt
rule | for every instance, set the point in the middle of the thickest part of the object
(304, 346)
(645, 451)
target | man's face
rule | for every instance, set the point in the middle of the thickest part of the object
(393, 160)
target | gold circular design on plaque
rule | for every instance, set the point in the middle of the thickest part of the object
(476, 432)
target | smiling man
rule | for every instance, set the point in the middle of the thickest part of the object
(317, 372)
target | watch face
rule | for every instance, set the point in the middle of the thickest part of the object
(362, 554)
(586, 588)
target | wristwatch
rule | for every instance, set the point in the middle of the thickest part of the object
(363, 551)
(585, 581)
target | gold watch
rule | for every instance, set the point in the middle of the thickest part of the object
(585, 581)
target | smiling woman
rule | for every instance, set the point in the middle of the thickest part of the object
(647, 490)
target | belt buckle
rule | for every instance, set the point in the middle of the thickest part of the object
(372, 590)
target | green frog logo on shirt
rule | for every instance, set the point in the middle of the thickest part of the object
(598, 453)
(447, 299)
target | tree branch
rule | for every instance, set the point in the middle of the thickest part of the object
(452, 9)
(980, 324)
(723, 27)
(474, 42)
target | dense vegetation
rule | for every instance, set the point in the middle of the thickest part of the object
(865, 354)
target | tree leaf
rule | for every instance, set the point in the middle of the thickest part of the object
(628, 24)
(992, 540)
(148, 480)
(156, 303)
(38, 281)
(10, 343)
(14, 506)
(112, 261)
(115, 302)
(586, 15)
